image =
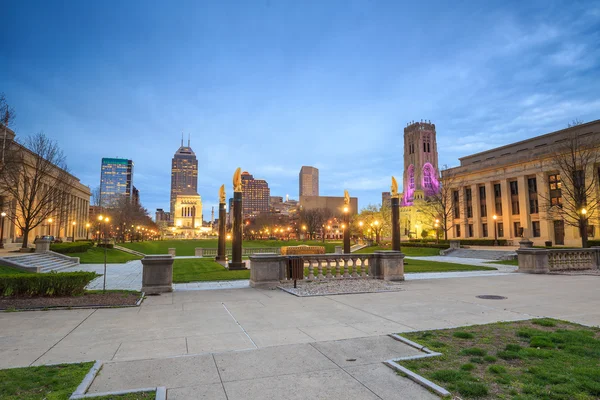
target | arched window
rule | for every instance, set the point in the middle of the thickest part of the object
(429, 182)
(409, 185)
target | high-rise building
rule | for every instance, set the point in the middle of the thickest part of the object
(420, 161)
(116, 180)
(309, 181)
(184, 172)
(255, 195)
(386, 199)
(135, 195)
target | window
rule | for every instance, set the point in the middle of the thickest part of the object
(470, 230)
(483, 209)
(533, 206)
(590, 231)
(455, 203)
(498, 198)
(457, 229)
(424, 147)
(469, 200)
(514, 188)
(514, 198)
(555, 190)
(482, 203)
(500, 229)
(532, 185)
(482, 192)
(535, 226)
(515, 206)
(484, 229)
(518, 229)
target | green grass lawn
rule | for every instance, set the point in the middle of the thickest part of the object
(408, 251)
(55, 382)
(505, 262)
(411, 265)
(186, 247)
(535, 359)
(95, 255)
(201, 269)
(4, 270)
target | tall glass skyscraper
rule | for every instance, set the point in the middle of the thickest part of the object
(116, 180)
(184, 173)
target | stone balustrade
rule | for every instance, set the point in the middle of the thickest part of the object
(543, 261)
(337, 266)
(212, 252)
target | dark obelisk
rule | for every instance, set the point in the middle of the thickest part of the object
(221, 256)
(346, 222)
(395, 216)
(236, 247)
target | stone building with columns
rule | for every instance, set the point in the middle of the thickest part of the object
(188, 212)
(519, 184)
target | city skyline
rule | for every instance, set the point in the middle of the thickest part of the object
(331, 88)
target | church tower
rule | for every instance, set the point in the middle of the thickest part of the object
(420, 161)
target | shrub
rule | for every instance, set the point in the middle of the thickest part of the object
(472, 389)
(541, 341)
(473, 351)
(497, 369)
(544, 322)
(50, 284)
(76, 247)
(463, 335)
(490, 359)
(107, 245)
(467, 367)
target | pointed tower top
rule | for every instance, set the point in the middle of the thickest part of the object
(182, 139)
(189, 135)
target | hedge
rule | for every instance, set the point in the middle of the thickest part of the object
(76, 247)
(107, 245)
(593, 243)
(50, 284)
(466, 242)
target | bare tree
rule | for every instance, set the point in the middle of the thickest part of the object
(35, 177)
(440, 205)
(572, 195)
(7, 117)
(96, 197)
(314, 219)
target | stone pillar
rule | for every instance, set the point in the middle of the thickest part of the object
(172, 251)
(199, 252)
(236, 247)
(42, 245)
(338, 250)
(533, 261)
(524, 217)
(490, 207)
(395, 201)
(390, 265)
(157, 275)
(221, 256)
(267, 270)
(506, 218)
(455, 244)
(347, 231)
(475, 205)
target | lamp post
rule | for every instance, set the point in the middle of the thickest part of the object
(49, 222)
(360, 224)
(346, 227)
(2, 215)
(437, 231)
(87, 231)
(584, 234)
(304, 232)
(73, 237)
(495, 217)
(376, 223)
(105, 220)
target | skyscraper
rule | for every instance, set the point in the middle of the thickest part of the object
(116, 180)
(309, 181)
(184, 172)
(255, 195)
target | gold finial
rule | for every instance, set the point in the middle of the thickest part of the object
(346, 197)
(237, 180)
(394, 187)
(222, 194)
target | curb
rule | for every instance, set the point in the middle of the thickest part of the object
(393, 364)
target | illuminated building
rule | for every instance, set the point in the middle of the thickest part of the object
(184, 173)
(116, 180)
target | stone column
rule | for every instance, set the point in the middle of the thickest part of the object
(533, 261)
(506, 211)
(395, 223)
(524, 217)
(476, 211)
(390, 265)
(267, 270)
(199, 252)
(172, 251)
(236, 247)
(221, 247)
(157, 275)
(546, 225)
(491, 208)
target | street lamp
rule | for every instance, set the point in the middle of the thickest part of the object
(105, 220)
(346, 228)
(73, 223)
(584, 228)
(495, 217)
(2, 215)
(49, 222)
(87, 231)
(437, 231)
(376, 223)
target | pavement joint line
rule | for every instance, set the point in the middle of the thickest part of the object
(116, 351)
(221, 379)
(307, 334)
(370, 313)
(68, 333)
(342, 368)
(240, 325)
(187, 350)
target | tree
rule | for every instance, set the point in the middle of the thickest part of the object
(7, 117)
(36, 178)
(439, 205)
(376, 219)
(314, 219)
(573, 197)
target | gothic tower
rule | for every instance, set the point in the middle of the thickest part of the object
(420, 161)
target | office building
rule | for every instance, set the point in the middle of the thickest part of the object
(309, 181)
(116, 180)
(255, 195)
(334, 204)
(184, 173)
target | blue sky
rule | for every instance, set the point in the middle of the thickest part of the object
(273, 85)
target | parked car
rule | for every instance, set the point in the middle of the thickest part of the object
(52, 238)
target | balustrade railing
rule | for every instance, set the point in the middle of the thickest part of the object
(337, 266)
(212, 252)
(572, 259)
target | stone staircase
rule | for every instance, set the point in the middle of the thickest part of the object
(126, 250)
(41, 262)
(483, 254)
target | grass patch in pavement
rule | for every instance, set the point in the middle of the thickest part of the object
(56, 382)
(5, 270)
(200, 269)
(505, 262)
(95, 255)
(535, 359)
(411, 265)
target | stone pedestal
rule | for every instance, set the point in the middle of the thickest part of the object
(221, 246)
(338, 250)
(533, 261)
(267, 270)
(525, 243)
(42, 245)
(199, 252)
(395, 201)
(236, 246)
(455, 244)
(172, 251)
(390, 265)
(157, 275)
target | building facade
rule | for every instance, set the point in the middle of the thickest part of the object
(188, 211)
(309, 181)
(334, 204)
(521, 185)
(184, 173)
(255, 195)
(386, 199)
(116, 180)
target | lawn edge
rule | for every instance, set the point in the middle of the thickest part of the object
(393, 364)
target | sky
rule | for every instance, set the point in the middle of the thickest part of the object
(270, 86)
